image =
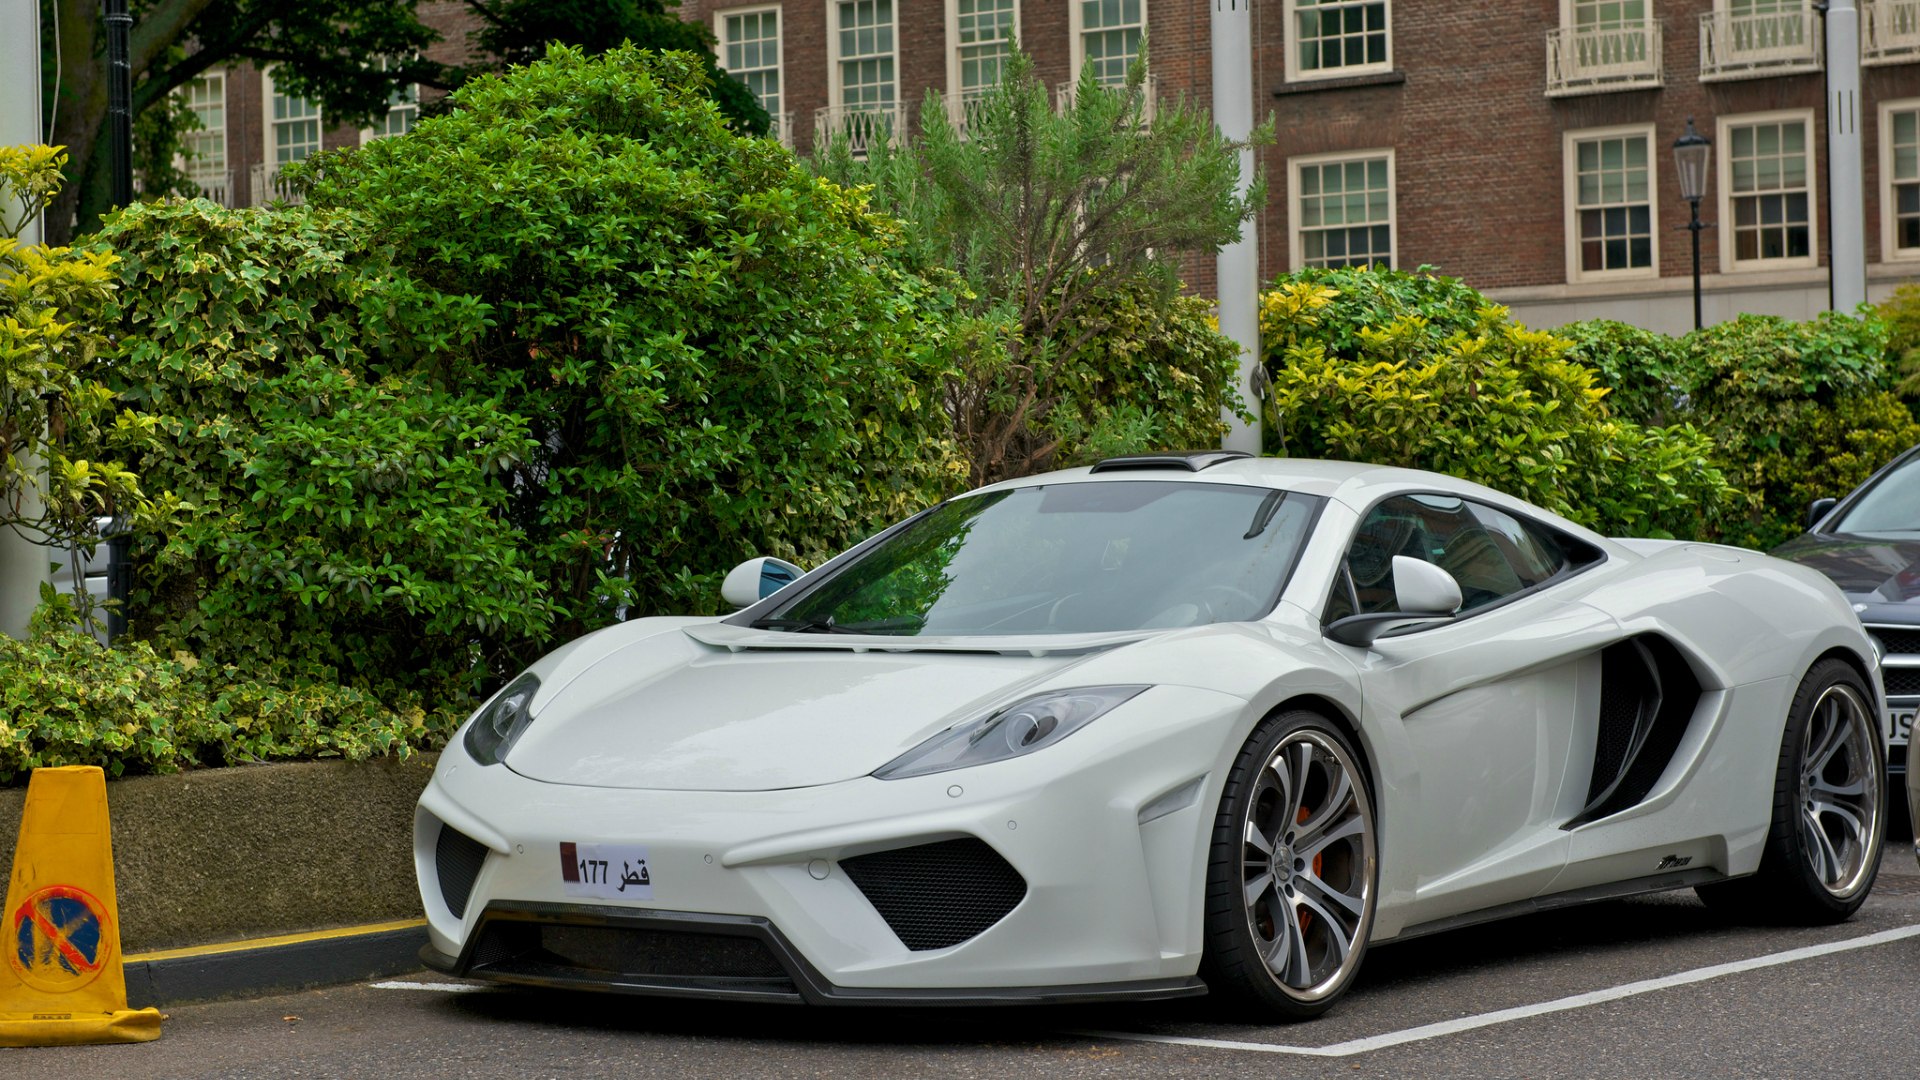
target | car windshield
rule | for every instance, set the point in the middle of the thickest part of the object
(1891, 506)
(1066, 559)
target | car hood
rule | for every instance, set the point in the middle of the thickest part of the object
(1880, 576)
(717, 708)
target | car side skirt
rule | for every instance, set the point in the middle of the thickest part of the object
(1657, 883)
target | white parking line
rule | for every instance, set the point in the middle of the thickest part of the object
(444, 988)
(1502, 1016)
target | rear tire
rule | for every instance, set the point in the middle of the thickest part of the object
(1292, 872)
(1829, 809)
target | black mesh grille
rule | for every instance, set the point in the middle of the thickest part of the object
(936, 895)
(1622, 689)
(1897, 639)
(1901, 681)
(457, 858)
(602, 952)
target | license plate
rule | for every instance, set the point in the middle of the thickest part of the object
(606, 871)
(1899, 723)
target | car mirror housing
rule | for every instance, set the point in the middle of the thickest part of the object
(1422, 592)
(1818, 509)
(756, 579)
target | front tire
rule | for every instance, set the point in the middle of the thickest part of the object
(1292, 872)
(1829, 809)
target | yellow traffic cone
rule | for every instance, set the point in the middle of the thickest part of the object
(61, 982)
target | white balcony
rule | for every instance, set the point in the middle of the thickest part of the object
(963, 108)
(1064, 94)
(266, 185)
(1890, 31)
(858, 126)
(781, 128)
(217, 186)
(1589, 60)
(1757, 46)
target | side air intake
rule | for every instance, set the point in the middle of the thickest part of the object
(1648, 696)
(937, 895)
(457, 858)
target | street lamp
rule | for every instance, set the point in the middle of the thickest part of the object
(1690, 154)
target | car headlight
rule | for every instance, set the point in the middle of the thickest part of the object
(1021, 728)
(493, 731)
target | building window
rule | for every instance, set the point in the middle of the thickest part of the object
(979, 32)
(1342, 210)
(1108, 36)
(863, 35)
(1610, 200)
(1766, 201)
(1608, 14)
(403, 109)
(293, 126)
(1900, 183)
(206, 149)
(1338, 37)
(750, 52)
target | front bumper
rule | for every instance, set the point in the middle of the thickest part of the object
(1108, 830)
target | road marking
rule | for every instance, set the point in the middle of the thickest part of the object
(444, 988)
(1502, 1016)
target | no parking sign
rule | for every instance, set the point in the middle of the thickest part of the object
(60, 939)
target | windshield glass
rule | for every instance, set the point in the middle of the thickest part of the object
(1067, 559)
(1890, 506)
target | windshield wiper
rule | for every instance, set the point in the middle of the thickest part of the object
(800, 626)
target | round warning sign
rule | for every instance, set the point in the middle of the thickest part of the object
(60, 941)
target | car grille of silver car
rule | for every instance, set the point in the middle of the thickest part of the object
(938, 895)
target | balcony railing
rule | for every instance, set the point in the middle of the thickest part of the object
(1589, 60)
(215, 186)
(858, 126)
(782, 128)
(963, 109)
(1064, 94)
(1755, 46)
(1889, 31)
(266, 185)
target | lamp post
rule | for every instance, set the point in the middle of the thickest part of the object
(1690, 154)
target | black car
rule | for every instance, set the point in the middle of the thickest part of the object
(1869, 544)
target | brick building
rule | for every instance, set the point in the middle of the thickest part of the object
(1523, 145)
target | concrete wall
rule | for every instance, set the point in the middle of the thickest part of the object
(254, 850)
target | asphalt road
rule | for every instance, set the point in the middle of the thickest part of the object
(1853, 1011)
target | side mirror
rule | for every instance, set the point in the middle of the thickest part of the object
(1818, 509)
(1422, 592)
(756, 579)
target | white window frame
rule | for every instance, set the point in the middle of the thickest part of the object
(1570, 143)
(199, 170)
(266, 118)
(1723, 167)
(954, 88)
(1296, 247)
(834, 87)
(1566, 14)
(1295, 74)
(369, 134)
(1076, 35)
(720, 17)
(1889, 252)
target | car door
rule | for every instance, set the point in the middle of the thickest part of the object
(1487, 701)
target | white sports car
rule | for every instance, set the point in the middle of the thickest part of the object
(1170, 725)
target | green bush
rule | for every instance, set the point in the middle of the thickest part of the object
(338, 508)
(1338, 308)
(708, 347)
(1901, 313)
(1502, 406)
(65, 700)
(1641, 368)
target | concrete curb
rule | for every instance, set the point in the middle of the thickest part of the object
(260, 966)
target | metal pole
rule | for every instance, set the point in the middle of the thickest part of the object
(1237, 267)
(24, 565)
(120, 100)
(1846, 195)
(1694, 227)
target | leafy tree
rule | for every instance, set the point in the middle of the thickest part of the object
(711, 350)
(1045, 217)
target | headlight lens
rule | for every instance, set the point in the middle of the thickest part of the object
(493, 731)
(1020, 728)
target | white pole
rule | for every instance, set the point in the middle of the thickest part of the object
(23, 564)
(1237, 267)
(1847, 247)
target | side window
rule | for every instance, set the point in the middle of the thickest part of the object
(1491, 553)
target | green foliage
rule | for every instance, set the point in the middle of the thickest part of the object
(709, 349)
(338, 508)
(1828, 452)
(1336, 308)
(517, 32)
(65, 700)
(1901, 313)
(1642, 367)
(52, 402)
(1062, 226)
(1495, 403)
